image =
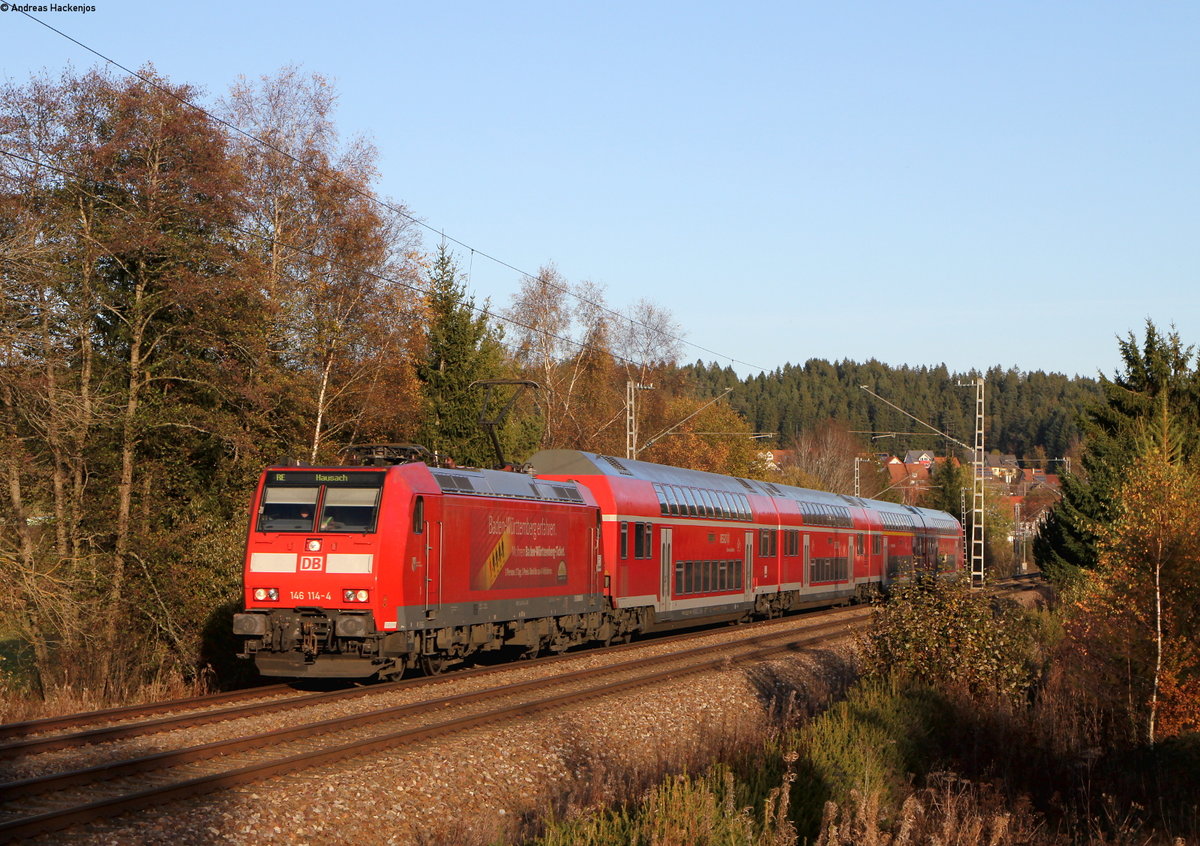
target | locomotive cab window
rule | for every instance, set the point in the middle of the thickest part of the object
(321, 501)
(287, 509)
(349, 510)
(418, 523)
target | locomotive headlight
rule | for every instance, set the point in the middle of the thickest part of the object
(265, 594)
(352, 595)
(312, 545)
(361, 596)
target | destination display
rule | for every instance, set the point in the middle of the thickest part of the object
(329, 478)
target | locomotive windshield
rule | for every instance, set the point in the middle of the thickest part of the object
(349, 510)
(339, 502)
(287, 509)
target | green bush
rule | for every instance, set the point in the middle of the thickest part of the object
(714, 809)
(942, 633)
(885, 733)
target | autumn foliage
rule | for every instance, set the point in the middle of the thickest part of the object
(183, 304)
(1135, 625)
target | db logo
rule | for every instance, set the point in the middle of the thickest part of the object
(312, 562)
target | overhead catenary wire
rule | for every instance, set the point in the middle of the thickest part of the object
(374, 199)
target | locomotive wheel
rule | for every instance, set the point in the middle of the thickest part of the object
(434, 665)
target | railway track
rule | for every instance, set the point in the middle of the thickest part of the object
(30, 728)
(109, 725)
(66, 795)
(58, 800)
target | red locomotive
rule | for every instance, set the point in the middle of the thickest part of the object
(365, 571)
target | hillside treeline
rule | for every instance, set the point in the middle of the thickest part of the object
(1033, 415)
(184, 304)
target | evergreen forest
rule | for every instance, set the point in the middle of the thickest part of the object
(1034, 416)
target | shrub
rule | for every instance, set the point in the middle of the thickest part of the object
(940, 632)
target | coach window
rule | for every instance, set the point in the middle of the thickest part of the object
(662, 499)
(766, 543)
(642, 533)
(672, 502)
(710, 510)
(689, 501)
(861, 546)
(624, 540)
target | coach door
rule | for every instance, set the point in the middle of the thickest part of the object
(748, 565)
(667, 565)
(595, 583)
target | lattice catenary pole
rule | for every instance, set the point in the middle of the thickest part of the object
(977, 489)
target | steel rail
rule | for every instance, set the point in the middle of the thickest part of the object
(35, 745)
(45, 724)
(57, 820)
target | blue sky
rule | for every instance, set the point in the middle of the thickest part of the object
(970, 183)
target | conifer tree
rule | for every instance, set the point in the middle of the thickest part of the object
(461, 348)
(1159, 372)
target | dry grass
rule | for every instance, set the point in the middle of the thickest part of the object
(949, 811)
(18, 704)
